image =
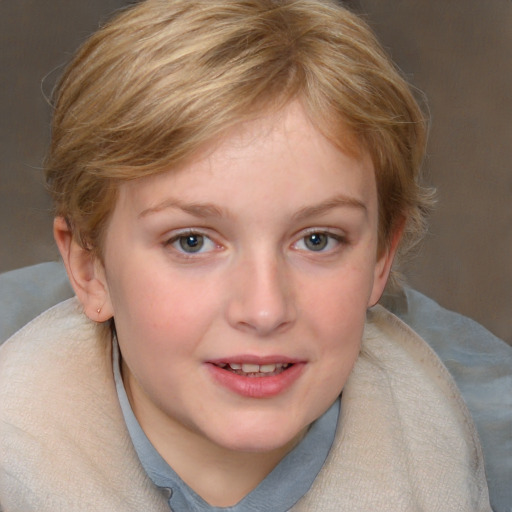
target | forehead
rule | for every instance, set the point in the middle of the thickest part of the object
(279, 150)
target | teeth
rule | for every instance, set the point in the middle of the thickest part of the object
(250, 368)
(255, 368)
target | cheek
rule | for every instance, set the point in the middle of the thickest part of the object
(339, 299)
(336, 310)
(162, 309)
(339, 338)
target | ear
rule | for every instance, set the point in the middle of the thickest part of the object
(85, 272)
(384, 264)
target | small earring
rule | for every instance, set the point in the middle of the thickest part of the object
(98, 311)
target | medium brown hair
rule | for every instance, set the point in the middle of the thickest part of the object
(165, 77)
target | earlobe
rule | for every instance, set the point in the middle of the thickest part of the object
(85, 271)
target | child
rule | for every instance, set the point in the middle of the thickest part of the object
(232, 181)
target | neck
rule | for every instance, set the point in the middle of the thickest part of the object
(221, 476)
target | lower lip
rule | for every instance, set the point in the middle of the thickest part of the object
(257, 387)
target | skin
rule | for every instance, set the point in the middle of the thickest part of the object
(285, 229)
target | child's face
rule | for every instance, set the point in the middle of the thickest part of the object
(239, 284)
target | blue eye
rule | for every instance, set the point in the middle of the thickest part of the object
(318, 241)
(192, 243)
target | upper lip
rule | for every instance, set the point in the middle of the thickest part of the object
(254, 359)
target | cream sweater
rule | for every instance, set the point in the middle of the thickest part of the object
(405, 442)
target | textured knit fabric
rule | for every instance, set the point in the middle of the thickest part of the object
(481, 365)
(405, 440)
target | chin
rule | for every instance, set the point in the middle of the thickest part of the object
(256, 439)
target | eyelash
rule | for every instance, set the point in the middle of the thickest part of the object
(325, 238)
(189, 234)
(330, 237)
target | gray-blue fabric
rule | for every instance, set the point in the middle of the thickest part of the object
(278, 492)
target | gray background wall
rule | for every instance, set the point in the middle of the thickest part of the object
(459, 52)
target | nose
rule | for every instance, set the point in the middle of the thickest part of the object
(261, 301)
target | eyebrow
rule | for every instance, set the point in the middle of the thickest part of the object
(205, 210)
(329, 204)
(202, 210)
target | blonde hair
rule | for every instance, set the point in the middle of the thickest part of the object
(165, 77)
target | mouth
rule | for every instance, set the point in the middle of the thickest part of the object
(255, 370)
(256, 377)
